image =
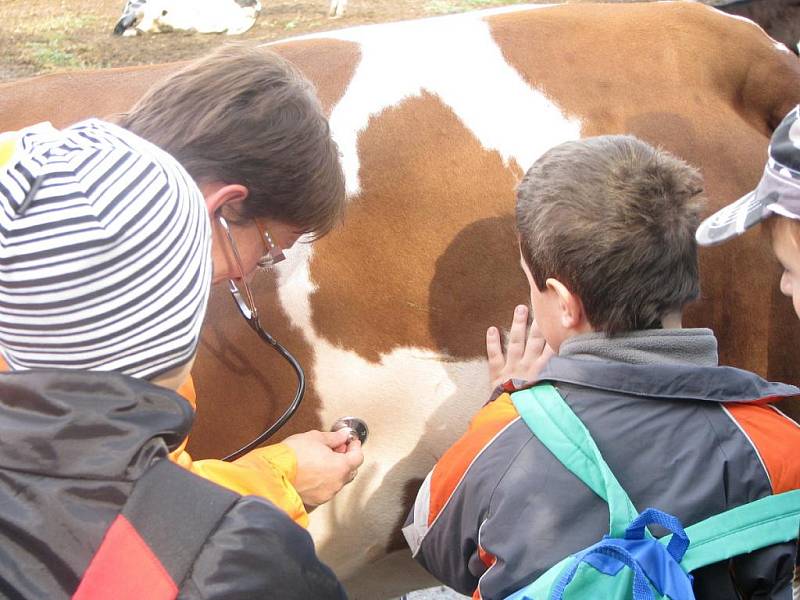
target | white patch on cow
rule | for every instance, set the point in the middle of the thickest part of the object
(458, 61)
(415, 403)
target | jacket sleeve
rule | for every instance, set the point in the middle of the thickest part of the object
(444, 526)
(258, 552)
(766, 573)
(266, 472)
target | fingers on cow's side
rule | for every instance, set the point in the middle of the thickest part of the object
(517, 335)
(535, 344)
(494, 353)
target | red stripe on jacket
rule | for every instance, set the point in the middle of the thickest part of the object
(125, 568)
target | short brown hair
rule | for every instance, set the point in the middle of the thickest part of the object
(613, 219)
(245, 115)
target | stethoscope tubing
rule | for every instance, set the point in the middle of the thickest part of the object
(255, 325)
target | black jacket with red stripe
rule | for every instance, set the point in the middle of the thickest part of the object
(680, 433)
(72, 445)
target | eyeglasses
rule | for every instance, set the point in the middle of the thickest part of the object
(273, 254)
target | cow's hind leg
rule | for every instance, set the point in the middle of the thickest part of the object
(337, 8)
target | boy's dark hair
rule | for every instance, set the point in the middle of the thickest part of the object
(245, 115)
(613, 219)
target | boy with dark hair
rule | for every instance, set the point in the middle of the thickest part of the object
(606, 228)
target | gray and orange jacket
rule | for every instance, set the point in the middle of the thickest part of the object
(72, 446)
(681, 434)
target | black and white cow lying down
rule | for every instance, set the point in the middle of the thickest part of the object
(202, 16)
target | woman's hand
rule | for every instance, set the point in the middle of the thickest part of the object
(326, 462)
(526, 354)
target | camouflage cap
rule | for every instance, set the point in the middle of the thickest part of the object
(778, 192)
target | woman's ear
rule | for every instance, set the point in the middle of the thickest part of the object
(218, 194)
(570, 306)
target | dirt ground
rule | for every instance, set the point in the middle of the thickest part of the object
(37, 36)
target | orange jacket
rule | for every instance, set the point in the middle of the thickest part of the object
(267, 472)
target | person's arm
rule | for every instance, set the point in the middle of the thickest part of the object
(265, 472)
(304, 471)
(443, 529)
(257, 552)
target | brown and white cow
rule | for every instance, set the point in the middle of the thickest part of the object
(437, 120)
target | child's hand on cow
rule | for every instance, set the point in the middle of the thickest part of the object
(326, 462)
(526, 354)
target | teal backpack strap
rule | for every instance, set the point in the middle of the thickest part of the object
(562, 432)
(758, 524)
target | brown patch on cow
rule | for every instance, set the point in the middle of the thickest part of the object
(392, 276)
(66, 98)
(692, 89)
(476, 283)
(329, 63)
(243, 385)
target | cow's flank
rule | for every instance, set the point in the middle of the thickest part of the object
(436, 121)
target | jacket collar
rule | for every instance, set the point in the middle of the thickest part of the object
(691, 346)
(668, 364)
(676, 382)
(87, 424)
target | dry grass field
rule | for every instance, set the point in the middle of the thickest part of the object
(38, 36)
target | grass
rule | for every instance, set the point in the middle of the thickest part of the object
(54, 42)
(442, 7)
(61, 23)
(53, 54)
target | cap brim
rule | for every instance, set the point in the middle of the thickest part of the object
(733, 220)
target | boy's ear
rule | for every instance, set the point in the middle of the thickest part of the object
(570, 305)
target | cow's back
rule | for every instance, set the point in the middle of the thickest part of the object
(437, 121)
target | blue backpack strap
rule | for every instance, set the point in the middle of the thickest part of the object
(621, 555)
(555, 425)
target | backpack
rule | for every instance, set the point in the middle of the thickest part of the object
(628, 562)
(150, 547)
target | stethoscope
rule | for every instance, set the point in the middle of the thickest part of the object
(357, 427)
(251, 316)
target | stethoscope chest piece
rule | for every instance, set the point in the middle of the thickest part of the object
(358, 428)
